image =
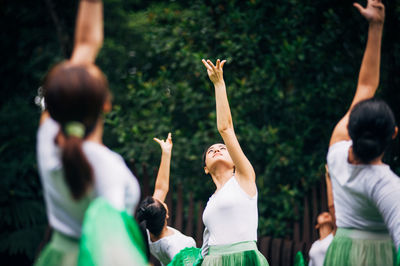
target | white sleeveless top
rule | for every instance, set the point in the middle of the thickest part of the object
(167, 247)
(366, 197)
(318, 251)
(230, 216)
(112, 181)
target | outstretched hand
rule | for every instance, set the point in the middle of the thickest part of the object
(374, 12)
(166, 145)
(215, 73)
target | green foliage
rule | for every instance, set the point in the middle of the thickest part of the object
(291, 73)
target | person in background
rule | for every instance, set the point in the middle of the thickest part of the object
(164, 241)
(326, 228)
(365, 191)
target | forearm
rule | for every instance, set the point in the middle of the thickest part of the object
(89, 29)
(162, 182)
(370, 67)
(224, 117)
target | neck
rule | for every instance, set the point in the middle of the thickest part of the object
(97, 134)
(324, 231)
(354, 160)
(221, 176)
(165, 232)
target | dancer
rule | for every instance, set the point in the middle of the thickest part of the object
(318, 249)
(75, 167)
(164, 241)
(365, 190)
(231, 215)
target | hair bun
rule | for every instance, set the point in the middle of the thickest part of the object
(367, 148)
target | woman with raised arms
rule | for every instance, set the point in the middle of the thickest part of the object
(75, 167)
(164, 241)
(231, 214)
(366, 192)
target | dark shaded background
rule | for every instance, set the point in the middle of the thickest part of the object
(291, 73)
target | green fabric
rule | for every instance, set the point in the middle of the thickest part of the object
(299, 259)
(110, 237)
(398, 258)
(61, 251)
(242, 253)
(187, 257)
(349, 247)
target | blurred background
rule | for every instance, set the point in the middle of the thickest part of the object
(291, 73)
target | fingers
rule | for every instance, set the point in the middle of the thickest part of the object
(218, 63)
(206, 65)
(169, 138)
(211, 64)
(359, 7)
(223, 63)
(157, 140)
(378, 5)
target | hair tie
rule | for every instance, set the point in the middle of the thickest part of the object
(74, 128)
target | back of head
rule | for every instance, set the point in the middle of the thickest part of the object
(371, 127)
(152, 214)
(74, 96)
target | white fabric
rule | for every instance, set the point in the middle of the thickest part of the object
(167, 247)
(366, 197)
(230, 216)
(318, 251)
(112, 180)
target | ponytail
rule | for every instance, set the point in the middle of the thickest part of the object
(78, 173)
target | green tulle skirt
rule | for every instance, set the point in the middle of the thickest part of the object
(60, 251)
(242, 253)
(355, 247)
(187, 257)
(110, 237)
(299, 259)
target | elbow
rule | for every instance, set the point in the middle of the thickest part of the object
(226, 128)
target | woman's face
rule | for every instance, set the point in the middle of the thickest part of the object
(324, 218)
(217, 154)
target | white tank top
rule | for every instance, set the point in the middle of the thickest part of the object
(231, 215)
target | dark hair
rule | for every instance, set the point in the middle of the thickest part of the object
(151, 214)
(75, 93)
(204, 156)
(371, 127)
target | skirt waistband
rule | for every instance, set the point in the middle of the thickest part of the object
(232, 248)
(59, 240)
(362, 234)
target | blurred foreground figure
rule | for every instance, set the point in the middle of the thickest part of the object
(75, 167)
(365, 190)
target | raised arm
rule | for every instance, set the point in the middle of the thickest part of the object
(88, 32)
(243, 169)
(88, 37)
(162, 182)
(368, 79)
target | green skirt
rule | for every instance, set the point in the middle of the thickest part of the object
(187, 257)
(242, 253)
(299, 259)
(355, 247)
(110, 237)
(60, 251)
